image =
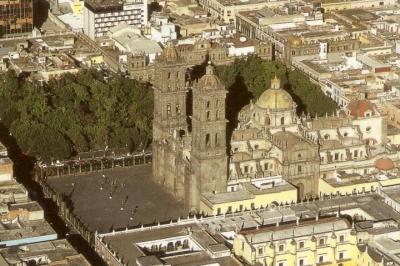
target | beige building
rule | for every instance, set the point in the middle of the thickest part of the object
(227, 10)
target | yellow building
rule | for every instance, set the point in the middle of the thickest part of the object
(315, 241)
(252, 195)
(77, 7)
(92, 60)
(347, 187)
(348, 184)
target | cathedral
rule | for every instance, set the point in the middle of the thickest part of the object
(191, 158)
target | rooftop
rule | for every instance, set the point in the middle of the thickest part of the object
(55, 251)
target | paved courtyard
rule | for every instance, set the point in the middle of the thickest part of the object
(117, 198)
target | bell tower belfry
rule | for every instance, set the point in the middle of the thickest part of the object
(209, 155)
(170, 115)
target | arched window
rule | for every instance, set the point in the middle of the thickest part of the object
(208, 104)
(207, 140)
(168, 109)
(208, 115)
(217, 115)
(282, 120)
(216, 139)
(169, 75)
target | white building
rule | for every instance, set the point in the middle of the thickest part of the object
(128, 40)
(162, 30)
(99, 17)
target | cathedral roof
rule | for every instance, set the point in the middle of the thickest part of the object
(275, 97)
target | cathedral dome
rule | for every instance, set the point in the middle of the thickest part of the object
(275, 97)
(384, 164)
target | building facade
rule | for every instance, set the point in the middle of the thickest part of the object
(99, 17)
(16, 17)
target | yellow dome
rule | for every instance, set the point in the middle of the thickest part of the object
(275, 98)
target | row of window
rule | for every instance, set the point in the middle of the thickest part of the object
(106, 25)
(322, 241)
(119, 18)
(116, 14)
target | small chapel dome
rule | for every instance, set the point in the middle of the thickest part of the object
(384, 164)
(275, 97)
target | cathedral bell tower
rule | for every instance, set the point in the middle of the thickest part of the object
(170, 100)
(209, 158)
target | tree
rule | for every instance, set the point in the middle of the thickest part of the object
(76, 113)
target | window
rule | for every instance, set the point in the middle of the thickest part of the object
(321, 241)
(208, 104)
(282, 120)
(240, 207)
(368, 129)
(341, 238)
(216, 139)
(336, 156)
(301, 262)
(265, 166)
(178, 109)
(281, 247)
(208, 115)
(218, 211)
(252, 206)
(321, 259)
(168, 109)
(299, 169)
(208, 140)
(260, 251)
(301, 244)
(246, 169)
(281, 264)
(341, 255)
(299, 156)
(229, 209)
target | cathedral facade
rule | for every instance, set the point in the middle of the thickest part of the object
(191, 157)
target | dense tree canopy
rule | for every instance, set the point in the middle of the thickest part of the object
(76, 113)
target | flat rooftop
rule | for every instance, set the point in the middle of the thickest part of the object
(55, 251)
(98, 197)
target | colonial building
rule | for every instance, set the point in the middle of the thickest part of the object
(272, 149)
